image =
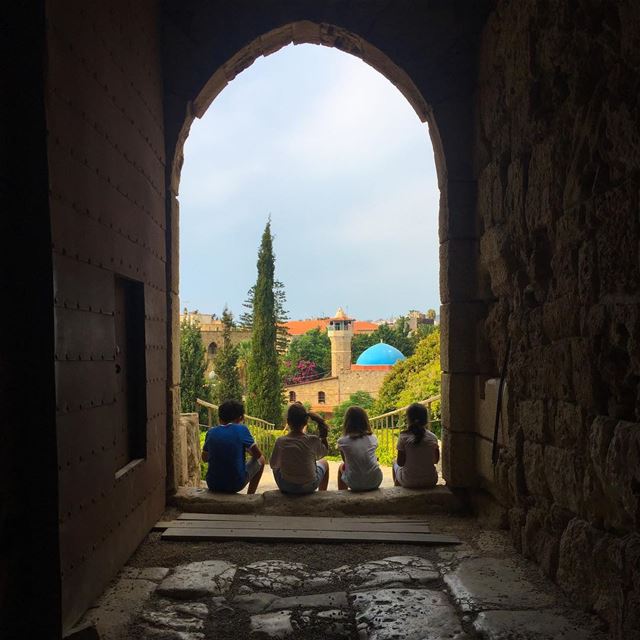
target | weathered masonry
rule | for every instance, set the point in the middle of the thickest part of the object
(534, 116)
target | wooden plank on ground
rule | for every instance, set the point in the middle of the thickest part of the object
(252, 517)
(289, 535)
(313, 525)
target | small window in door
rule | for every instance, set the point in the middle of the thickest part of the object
(130, 428)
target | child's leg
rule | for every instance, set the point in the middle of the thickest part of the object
(342, 485)
(324, 483)
(255, 480)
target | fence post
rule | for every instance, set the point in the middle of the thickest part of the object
(209, 417)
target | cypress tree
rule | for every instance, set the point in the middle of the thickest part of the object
(225, 364)
(282, 315)
(264, 385)
(192, 366)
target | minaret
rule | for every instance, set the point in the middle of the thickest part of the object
(340, 331)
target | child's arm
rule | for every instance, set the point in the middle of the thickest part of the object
(323, 428)
(402, 455)
(256, 453)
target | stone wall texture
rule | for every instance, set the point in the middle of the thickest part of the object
(558, 164)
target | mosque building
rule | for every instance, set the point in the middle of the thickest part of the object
(366, 374)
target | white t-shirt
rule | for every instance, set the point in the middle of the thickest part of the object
(296, 457)
(359, 455)
(419, 469)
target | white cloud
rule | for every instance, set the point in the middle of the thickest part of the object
(358, 122)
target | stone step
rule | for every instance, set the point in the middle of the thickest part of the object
(385, 501)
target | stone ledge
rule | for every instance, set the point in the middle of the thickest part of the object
(386, 501)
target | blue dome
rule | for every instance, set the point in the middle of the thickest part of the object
(380, 354)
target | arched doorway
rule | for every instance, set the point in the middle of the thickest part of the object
(450, 125)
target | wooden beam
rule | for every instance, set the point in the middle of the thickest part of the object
(290, 535)
(300, 524)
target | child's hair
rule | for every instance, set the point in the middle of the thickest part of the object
(417, 419)
(297, 416)
(230, 410)
(356, 423)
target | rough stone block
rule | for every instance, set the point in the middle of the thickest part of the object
(491, 583)
(561, 318)
(463, 349)
(459, 281)
(197, 500)
(497, 258)
(535, 471)
(623, 472)
(528, 625)
(197, 579)
(564, 472)
(585, 379)
(407, 613)
(382, 501)
(568, 426)
(532, 416)
(119, 606)
(458, 459)
(323, 600)
(458, 218)
(575, 568)
(539, 544)
(458, 393)
(273, 625)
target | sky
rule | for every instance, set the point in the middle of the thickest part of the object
(332, 151)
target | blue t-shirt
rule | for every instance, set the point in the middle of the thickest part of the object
(226, 445)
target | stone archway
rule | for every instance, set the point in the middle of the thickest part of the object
(442, 100)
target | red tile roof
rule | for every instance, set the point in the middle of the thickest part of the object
(298, 327)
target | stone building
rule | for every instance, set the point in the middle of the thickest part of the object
(533, 109)
(346, 378)
(211, 330)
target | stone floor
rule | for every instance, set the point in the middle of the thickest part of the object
(207, 590)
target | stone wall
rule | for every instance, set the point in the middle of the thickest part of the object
(187, 462)
(558, 162)
(308, 392)
(338, 388)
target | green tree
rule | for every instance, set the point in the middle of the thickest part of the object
(244, 353)
(414, 379)
(264, 384)
(192, 366)
(226, 385)
(282, 315)
(313, 346)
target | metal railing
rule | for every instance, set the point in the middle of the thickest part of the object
(388, 425)
(263, 432)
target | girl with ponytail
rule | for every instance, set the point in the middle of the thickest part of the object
(418, 452)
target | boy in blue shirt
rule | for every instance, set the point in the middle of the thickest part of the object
(224, 449)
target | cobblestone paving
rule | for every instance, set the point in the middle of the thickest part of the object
(453, 593)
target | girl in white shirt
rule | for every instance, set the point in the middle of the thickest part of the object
(418, 452)
(360, 470)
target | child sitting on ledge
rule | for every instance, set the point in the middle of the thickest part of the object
(224, 449)
(360, 470)
(297, 467)
(418, 452)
